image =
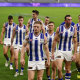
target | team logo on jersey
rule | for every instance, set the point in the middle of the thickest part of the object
(41, 40)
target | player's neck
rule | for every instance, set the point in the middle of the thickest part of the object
(10, 24)
(20, 25)
(67, 26)
(50, 32)
(36, 33)
(35, 19)
(46, 24)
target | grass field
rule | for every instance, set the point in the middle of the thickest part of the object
(55, 14)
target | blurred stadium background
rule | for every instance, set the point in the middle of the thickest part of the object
(55, 9)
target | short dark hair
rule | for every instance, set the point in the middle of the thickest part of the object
(35, 11)
(10, 17)
(51, 22)
(47, 17)
(19, 17)
(67, 16)
(37, 22)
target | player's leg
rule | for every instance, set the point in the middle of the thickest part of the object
(59, 67)
(77, 61)
(5, 51)
(22, 67)
(16, 51)
(54, 66)
(47, 71)
(11, 57)
(31, 74)
(40, 74)
(68, 70)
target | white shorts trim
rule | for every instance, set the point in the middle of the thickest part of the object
(66, 55)
(36, 65)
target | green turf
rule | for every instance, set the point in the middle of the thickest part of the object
(55, 14)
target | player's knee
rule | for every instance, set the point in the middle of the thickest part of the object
(59, 69)
(39, 78)
(53, 68)
(15, 58)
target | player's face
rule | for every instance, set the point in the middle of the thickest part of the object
(68, 20)
(10, 21)
(21, 20)
(34, 15)
(37, 28)
(51, 26)
(47, 20)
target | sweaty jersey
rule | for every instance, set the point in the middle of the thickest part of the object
(36, 47)
(50, 39)
(9, 30)
(66, 35)
(31, 24)
(20, 35)
(78, 32)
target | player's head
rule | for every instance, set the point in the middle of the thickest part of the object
(21, 20)
(47, 19)
(68, 19)
(79, 18)
(10, 19)
(51, 26)
(35, 13)
(37, 26)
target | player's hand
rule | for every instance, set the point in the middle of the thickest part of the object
(74, 57)
(48, 64)
(52, 57)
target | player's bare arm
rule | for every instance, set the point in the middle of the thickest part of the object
(56, 39)
(2, 33)
(23, 49)
(46, 50)
(13, 35)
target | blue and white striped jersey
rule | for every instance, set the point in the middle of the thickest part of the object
(50, 39)
(31, 24)
(9, 30)
(20, 35)
(78, 32)
(45, 27)
(36, 47)
(66, 35)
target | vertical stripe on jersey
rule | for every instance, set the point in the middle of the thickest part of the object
(50, 44)
(61, 36)
(17, 34)
(9, 32)
(69, 44)
(36, 50)
(65, 41)
(41, 46)
(30, 40)
(20, 37)
(6, 33)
